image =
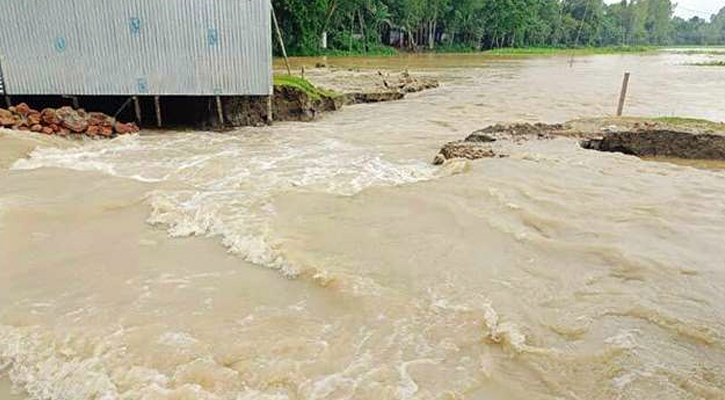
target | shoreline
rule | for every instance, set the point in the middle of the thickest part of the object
(671, 138)
(498, 52)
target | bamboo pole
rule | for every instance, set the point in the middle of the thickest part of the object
(157, 103)
(220, 110)
(623, 94)
(281, 41)
(137, 109)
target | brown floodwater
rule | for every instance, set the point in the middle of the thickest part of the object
(330, 260)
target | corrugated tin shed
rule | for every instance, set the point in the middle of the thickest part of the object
(136, 47)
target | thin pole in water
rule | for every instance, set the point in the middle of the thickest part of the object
(623, 94)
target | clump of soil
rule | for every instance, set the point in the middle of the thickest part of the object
(369, 86)
(63, 121)
(521, 131)
(372, 97)
(387, 88)
(291, 103)
(297, 99)
(659, 142)
(479, 144)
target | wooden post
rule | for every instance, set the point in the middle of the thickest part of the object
(270, 110)
(76, 103)
(157, 103)
(8, 101)
(220, 111)
(281, 42)
(137, 108)
(623, 94)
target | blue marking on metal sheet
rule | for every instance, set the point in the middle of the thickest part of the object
(213, 37)
(60, 44)
(143, 85)
(134, 25)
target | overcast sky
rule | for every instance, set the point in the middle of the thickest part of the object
(701, 8)
(690, 8)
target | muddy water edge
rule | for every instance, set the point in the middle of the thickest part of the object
(331, 260)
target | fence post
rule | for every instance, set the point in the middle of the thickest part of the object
(623, 94)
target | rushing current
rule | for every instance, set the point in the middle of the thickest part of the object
(330, 260)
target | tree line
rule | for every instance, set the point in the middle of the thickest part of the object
(358, 26)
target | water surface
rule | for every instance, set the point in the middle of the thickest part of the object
(331, 260)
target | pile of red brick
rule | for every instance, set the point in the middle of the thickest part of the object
(63, 121)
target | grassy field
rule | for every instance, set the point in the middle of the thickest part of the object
(543, 51)
(385, 51)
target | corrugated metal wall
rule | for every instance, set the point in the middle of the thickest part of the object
(136, 47)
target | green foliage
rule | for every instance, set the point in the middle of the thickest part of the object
(374, 26)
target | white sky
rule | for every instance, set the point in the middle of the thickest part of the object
(701, 8)
(690, 8)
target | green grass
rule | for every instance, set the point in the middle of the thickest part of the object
(710, 64)
(379, 50)
(304, 85)
(372, 50)
(692, 122)
(455, 48)
(536, 51)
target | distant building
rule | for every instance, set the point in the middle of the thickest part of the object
(135, 48)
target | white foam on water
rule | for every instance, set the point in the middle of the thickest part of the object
(231, 180)
(56, 365)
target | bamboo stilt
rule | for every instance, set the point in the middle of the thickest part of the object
(157, 103)
(137, 109)
(220, 110)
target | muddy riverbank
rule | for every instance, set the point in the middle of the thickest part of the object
(670, 138)
(294, 99)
